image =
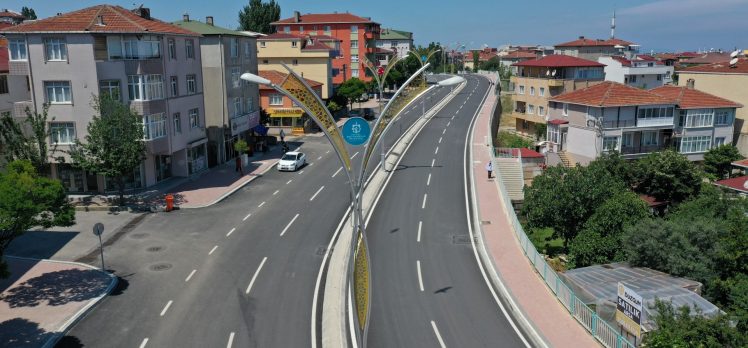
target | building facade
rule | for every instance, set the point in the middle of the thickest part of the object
(615, 117)
(284, 114)
(310, 56)
(539, 80)
(398, 41)
(72, 58)
(358, 37)
(640, 71)
(593, 49)
(232, 106)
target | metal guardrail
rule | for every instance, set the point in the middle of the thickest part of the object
(600, 329)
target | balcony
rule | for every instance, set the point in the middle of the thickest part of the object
(642, 149)
(618, 124)
(641, 123)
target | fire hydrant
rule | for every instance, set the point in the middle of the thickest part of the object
(169, 202)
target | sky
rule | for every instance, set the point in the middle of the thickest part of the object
(659, 25)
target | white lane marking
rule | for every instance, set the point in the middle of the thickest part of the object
(420, 279)
(319, 158)
(354, 155)
(301, 172)
(448, 123)
(444, 131)
(190, 276)
(452, 118)
(438, 336)
(432, 162)
(338, 171)
(289, 225)
(436, 151)
(289, 181)
(311, 164)
(230, 232)
(166, 308)
(440, 140)
(328, 151)
(423, 205)
(428, 181)
(256, 273)
(316, 193)
(418, 239)
(276, 192)
(145, 341)
(231, 340)
(261, 204)
(247, 217)
(212, 250)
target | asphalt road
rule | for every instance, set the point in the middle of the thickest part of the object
(427, 289)
(240, 273)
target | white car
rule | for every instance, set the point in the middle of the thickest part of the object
(291, 161)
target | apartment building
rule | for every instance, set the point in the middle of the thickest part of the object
(538, 80)
(635, 122)
(74, 57)
(232, 106)
(13, 89)
(284, 113)
(358, 37)
(642, 71)
(593, 49)
(308, 55)
(398, 41)
(727, 81)
(511, 58)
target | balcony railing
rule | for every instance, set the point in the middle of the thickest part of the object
(643, 149)
(641, 123)
(618, 124)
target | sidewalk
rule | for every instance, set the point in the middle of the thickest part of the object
(527, 290)
(42, 299)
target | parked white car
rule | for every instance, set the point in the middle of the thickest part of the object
(291, 161)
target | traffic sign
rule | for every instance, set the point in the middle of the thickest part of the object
(380, 71)
(356, 131)
(98, 229)
(423, 58)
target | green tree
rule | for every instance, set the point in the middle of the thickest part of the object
(540, 131)
(476, 60)
(28, 13)
(600, 239)
(717, 161)
(333, 107)
(28, 200)
(507, 139)
(114, 145)
(352, 89)
(492, 64)
(683, 327)
(613, 164)
(258, 15)
(668, 176)
(30, 140)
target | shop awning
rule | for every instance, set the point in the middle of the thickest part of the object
(260, 129)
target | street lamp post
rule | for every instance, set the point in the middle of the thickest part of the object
(423, 57)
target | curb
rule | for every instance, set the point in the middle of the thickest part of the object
(83, 311)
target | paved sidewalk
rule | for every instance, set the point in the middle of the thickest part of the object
(42, 299)
(528, 290)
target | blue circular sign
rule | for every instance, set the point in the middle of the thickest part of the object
(356, 131)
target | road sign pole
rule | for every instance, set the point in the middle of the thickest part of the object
(101, 250)
(98, 229)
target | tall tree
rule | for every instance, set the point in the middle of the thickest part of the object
(28, 140)
(668, 176)
(28, 200)
(258, 15)
(114, 145)
(717, 161)
(683, 327)
(28, 13)
(352, 89)
(476, 60)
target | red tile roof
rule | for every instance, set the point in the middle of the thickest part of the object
(709, 58)
(739, 184)
(5, 25)
(740, 68)
(280, 36)
(557, 121)
(610, 94)
(559, 61)
(651, 201)
(11, 14)
(594, 42)
(277, 78)
(116, 20)
(4, 60)
(519, 55)
(687, 98)
(527, 153)
(324, 18)
(741, 163)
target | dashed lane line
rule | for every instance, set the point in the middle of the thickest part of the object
(289, 225)
(254, 277)
(212, 250)
(166, 308)
(190, 276)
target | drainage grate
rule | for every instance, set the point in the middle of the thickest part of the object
(485, 222)
(139, 235)
(160, 267)
(462, 239)
(154, 249)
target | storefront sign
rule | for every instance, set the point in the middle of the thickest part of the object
(239, 124)
(629, 310)
(285, 112)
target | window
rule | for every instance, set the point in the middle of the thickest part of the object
(354, 29)
(235, 77)
(174, 86)
(189, 48)
(62, 132)
(722, 117)
(154, 126)
(55, 50)
(532, 90)
(521, 89)
(294, 43)
(17, 49)
(354, 73)
(295, 62)
(649, 138)
(719, 141)
(262, 43)
(699, 118)
(194, 118)
(247, 50)
(530, 109)
(4, 84)
(610, 143)
(354, 58)
(58, 92)
(553, 134)
(565, 111)
(177, 123)
(191, 84)
(541, 110)
(265, 61)
(354, 43)
(145, 87)
(695, 144)
(301, 29)
(542, 91)
(276, 99)
(327, 29)
(110, 88)
(627, 140)
(287, 29)
(659, 77)
(632, 78)
(250, 105)
(172, 49)
(234, 47)
(146, 47)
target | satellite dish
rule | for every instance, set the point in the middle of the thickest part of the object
(734, 54)
(547, 73)
(733, 61)
(553, 73)
(745, 185)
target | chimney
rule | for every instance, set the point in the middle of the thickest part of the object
(186, 17)
(100, 20)
(296, 17)
(581, 37)
(209, 20)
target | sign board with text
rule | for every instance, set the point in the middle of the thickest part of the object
(629, 310)
(356, 131)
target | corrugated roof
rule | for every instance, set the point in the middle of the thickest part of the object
(611, 94)
(559, 61)
(116, 20)
(208, 29)
(687, 98)
(324, 18)
(277, 78)
(740, 68)
(582, 42)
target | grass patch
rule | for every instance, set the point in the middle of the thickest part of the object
(507, 139)
(545, 243)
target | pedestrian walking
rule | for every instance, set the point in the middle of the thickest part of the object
(239, 167)
(282, 135)
(489, 168)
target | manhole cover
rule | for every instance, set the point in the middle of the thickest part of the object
(462, 239)
(139, 235)
(160, 267)
(154, 249)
